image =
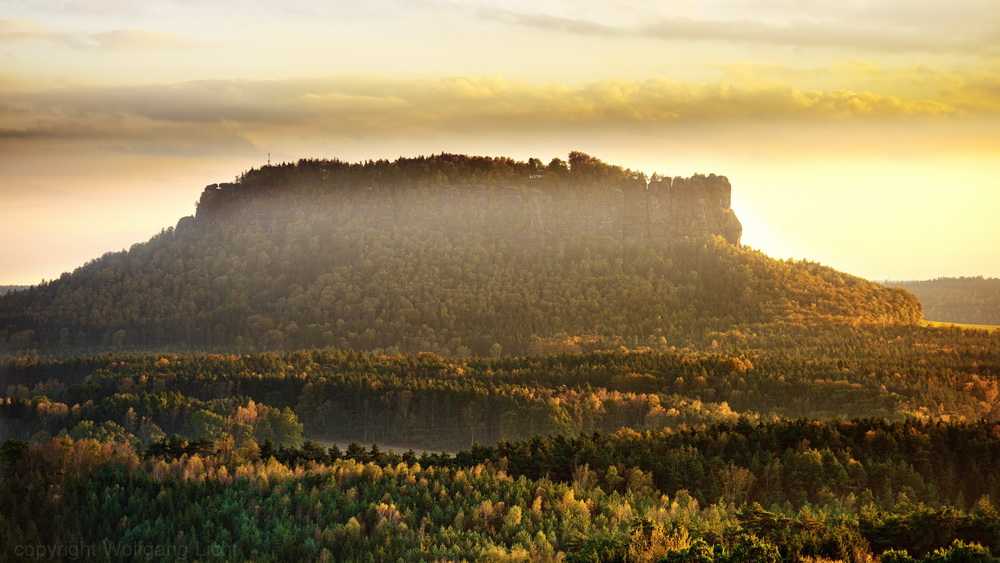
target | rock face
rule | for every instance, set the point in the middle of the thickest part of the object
(695, 206)
(216, 198)
(538, 211)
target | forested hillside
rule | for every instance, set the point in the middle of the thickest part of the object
(621, 381)
(958, 300)
(449, 254)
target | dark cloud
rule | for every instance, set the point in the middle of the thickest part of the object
(182, 117)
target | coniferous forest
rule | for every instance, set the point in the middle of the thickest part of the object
(460, 358)
(958, 300)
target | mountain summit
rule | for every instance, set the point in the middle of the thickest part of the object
(529, 201)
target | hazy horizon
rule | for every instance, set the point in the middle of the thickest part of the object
(860, 136)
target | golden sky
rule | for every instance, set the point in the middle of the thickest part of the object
(860, 134)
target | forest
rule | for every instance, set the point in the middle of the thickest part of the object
(624, 455)
(9, 288)
(857, 444)
(308, 369)
(958, 300)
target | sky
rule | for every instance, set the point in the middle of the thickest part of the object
(864, 135)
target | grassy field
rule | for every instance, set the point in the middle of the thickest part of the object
(962, 325)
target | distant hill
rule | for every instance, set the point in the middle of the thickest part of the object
(451, 254)
(4, 289)
(958, 300)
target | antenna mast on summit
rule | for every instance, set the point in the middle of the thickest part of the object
(269, 159)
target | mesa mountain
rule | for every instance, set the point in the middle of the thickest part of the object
(452, 254)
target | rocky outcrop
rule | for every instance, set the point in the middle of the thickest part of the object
(539, 211)
(695, 206)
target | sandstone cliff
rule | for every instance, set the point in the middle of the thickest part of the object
(535, 205)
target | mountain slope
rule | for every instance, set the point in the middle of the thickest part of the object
(958, 300)
(453, 254)
(9, 288)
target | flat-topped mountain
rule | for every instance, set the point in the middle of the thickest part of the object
(449, 253)
(500, 197)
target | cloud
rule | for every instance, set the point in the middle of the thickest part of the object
(101, 6)
(298, 101)
(119, 40)
(800, 33)
(140, 40)
(923, 26)
(239, 115)
(22, 31)
(557, 23)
